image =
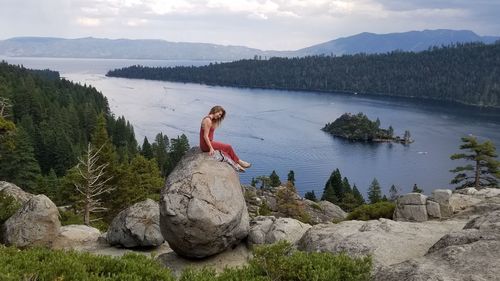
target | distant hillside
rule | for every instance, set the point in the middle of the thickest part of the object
(466, 73)
(121, 49)
(413, 41)
(160, 49)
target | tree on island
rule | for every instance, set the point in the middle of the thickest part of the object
(374, 192)
(486, 169)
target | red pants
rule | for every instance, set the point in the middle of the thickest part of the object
(227, 149)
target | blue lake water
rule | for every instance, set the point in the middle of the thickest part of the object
(280, 130)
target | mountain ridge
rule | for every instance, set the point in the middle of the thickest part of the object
(123, 48)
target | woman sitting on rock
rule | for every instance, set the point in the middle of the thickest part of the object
(207, 144)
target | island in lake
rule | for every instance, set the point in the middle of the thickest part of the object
(357, 127)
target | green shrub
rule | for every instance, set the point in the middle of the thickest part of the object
(278, 262)
(264, 209)
(8, 206)
(375, 211)
(316, 206)
(43, 264)
(69, 217)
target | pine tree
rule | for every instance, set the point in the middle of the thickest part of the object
(146, 150)
(310, 195)
(160, 152)
(178, 147)
(94, 180)
(374, 192)
(346, 186)
(393, 193)
(275, 179)
(486, 169)
(291, 177)
(334, 188)
(359, 197)
(18, 164)
(253, 182)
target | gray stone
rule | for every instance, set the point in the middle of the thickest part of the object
(36, 223)
(468, 254)
(268, 230)
(323, 211)
(460, 202)
(137, 226)
(416, 213)
(77, 237)
(388, 241)
(413, 198)
(202, 208)
(487, 222)
(442, 197)
(15, 191)
(488, 192)
(467, 191)
(433, 209)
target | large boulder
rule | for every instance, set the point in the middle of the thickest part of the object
(77, 237)
(269, 230)
(137, 226)
(442, 197)
(202, 208)
(411, 207)
(323, 211)
(388, 241)
(15, 191)
(36, 223)
(469, 254)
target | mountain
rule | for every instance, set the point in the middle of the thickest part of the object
(413, 41)
(159, 49)
(121, 49)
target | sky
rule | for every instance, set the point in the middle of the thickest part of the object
(262, 24)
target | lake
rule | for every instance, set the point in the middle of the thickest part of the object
(280, 130)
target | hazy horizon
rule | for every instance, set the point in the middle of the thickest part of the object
(265, 25)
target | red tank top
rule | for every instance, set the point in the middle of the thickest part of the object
(203, 145)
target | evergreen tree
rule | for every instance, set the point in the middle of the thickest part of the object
(18, 165)
(310, 195)
(346, 186)
(146, 150)
(374, 192)
(486, 169)
(265, 182)
(359, 197)
(416, 189)
(291, 177)
(178, 147)
(160, 152)
(393, 193)
(253, 182)
(334, 189)
(275, 179)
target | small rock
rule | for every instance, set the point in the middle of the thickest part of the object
(269, 230)
(77, 237)
(433, 209)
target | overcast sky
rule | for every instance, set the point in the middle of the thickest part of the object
(263, 24)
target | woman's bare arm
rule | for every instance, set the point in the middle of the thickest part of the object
(207, 124)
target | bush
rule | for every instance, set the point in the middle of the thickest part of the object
(8, 206)
(43, 264)
(264, 209)
(375, 211)
(277, 262)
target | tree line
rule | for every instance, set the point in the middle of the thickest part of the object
(51, 130)
(466, 73)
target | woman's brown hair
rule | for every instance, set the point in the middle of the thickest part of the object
(216, 109)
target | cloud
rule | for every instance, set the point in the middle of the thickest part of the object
(92, 22)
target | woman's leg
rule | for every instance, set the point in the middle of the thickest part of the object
(227, 149)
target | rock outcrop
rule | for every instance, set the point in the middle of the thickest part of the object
(388, 241)
(324, 211)
(15, 191)
(36, 223)
(411, 207)
(268, 230)
(202, 208)
(469, 254)
(137, 226)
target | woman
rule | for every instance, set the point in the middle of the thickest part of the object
(207, 144)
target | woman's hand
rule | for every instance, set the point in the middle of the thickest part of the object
(211, 152)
